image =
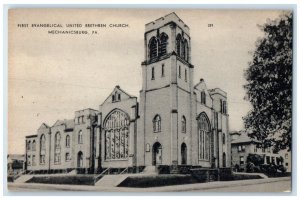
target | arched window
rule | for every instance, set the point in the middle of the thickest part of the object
(116, 126)
(29, 145)
(42, 149)
(204, 137)
(33, 145)
(57, 148)
(163, 44)
(185, 50)
(153, 48)
(156, 124)
(178, 44)
(80, 140)
(68, 141)
(183, 124)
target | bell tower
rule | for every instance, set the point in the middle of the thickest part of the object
(167, 90)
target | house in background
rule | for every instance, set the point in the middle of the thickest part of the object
(242, 146)
(15, 163)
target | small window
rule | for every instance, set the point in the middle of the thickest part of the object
(183, 124)
(255, 148)
(33, 160)
(243, 148)
(147, 147)
(80, 139)
(113, 98)
(203, 98)
(152, 74)
(224, 138)
(179, 71)
(29, 160)
(119, 97)
(68, 157)
(268, 160)
(239, 148)
(221, 106)
(185, 75)
(28, 145)
(68, 141)
(33, 145)
(224, 107)
(162, 70)
(242, 161)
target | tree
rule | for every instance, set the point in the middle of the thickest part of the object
(269, 85)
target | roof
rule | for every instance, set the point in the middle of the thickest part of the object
(11, 157)
(69, 123)
(244, 138)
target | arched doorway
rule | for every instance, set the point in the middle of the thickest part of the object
(157, 154)
(79, 159)
(183, 154)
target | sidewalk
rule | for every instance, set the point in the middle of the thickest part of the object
(14, 187)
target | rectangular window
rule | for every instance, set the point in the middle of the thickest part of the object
(242, 161)
(152, 74)
(239, 148)
(179, 71)
(162, 70)
(68, 157)
(255, 148)
(221, 106)
(243, 148)
(33, 160)
(28, 160)
(185, 75)
(268, 160)
(42, 159)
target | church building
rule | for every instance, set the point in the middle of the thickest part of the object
(175, 123)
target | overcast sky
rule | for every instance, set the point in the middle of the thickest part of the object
(52, 76)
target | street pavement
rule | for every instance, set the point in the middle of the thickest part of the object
(255, 185)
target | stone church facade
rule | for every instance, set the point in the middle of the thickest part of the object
(176, 123)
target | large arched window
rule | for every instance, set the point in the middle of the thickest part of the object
(80, 139)
(33, 145)
(156, 124)
(178, 44)
(42, 149)
(162, 49)
(68, 141)
(116, 126)
(57, 149)
(204, 137)
(183, 124)
(153, 47)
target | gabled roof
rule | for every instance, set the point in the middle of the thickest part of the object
(118, 89)
(43, 126)
(68, 123)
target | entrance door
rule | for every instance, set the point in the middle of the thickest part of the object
(183, 154)
(157, 154)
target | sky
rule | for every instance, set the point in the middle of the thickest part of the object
(50, 76)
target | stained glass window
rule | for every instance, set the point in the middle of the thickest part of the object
(204, 137)
(116, 128)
